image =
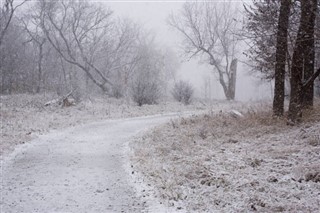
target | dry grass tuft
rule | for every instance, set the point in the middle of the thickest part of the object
(217, 162)
(313, 114)
(222, 124)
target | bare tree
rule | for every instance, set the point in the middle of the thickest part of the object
(124, 57)
(281, 56)
(87, 36)
(317, 51)
(208, 31)
(32, 25)
(79, 31)
(7, 11)
(309, 60)
(148, 82)
(264, 29)
(303, 49)
(16, 61)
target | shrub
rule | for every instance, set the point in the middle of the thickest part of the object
(117, 91)
(145, 92)
(183, 92)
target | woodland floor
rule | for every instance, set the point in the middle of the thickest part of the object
(218, 163)
(205, 163)
(25, 117)
(74, 158)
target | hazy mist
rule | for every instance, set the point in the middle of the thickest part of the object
(153, 15)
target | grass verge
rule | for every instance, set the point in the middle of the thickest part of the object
(217, 162)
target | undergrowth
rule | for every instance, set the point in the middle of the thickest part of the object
(219, 161)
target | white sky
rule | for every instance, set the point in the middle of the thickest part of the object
(152, 15)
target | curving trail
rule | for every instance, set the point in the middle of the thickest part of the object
(79, 169)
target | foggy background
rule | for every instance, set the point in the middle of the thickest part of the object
(153, 15)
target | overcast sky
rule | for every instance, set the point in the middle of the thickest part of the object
(152, 15)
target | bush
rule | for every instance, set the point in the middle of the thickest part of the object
(117, 91)
(183, 92)
(144, 92)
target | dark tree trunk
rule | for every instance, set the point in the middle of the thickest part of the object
(281, 54)
(300, 51)
(233, 78)
(229, 87)
(309, 62)
(40, 67)
(226, 88)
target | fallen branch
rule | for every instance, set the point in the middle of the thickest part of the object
(61, 101)
(236, 114)
(52, 102)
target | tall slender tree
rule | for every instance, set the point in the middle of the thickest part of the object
(309, 61)
(281, 55)
(302, 51)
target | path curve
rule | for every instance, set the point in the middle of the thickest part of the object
(79, 169)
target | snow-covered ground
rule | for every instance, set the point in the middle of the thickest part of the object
(76, 158)
(61, 159)
(214, 162)
(25, 117)
(79, 169)
(219, 163)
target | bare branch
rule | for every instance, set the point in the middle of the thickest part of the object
(207, 29)
(6, 16)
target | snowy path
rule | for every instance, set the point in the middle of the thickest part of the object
(80, 169)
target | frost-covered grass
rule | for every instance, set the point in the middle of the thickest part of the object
(25, 116)
(212, 162)
(219, 163)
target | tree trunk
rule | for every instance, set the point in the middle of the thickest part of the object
(229, 88)
(309, 61)
(233, 78)
(40, 67)
(225, 87)
(281, 54)
(300, 51)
